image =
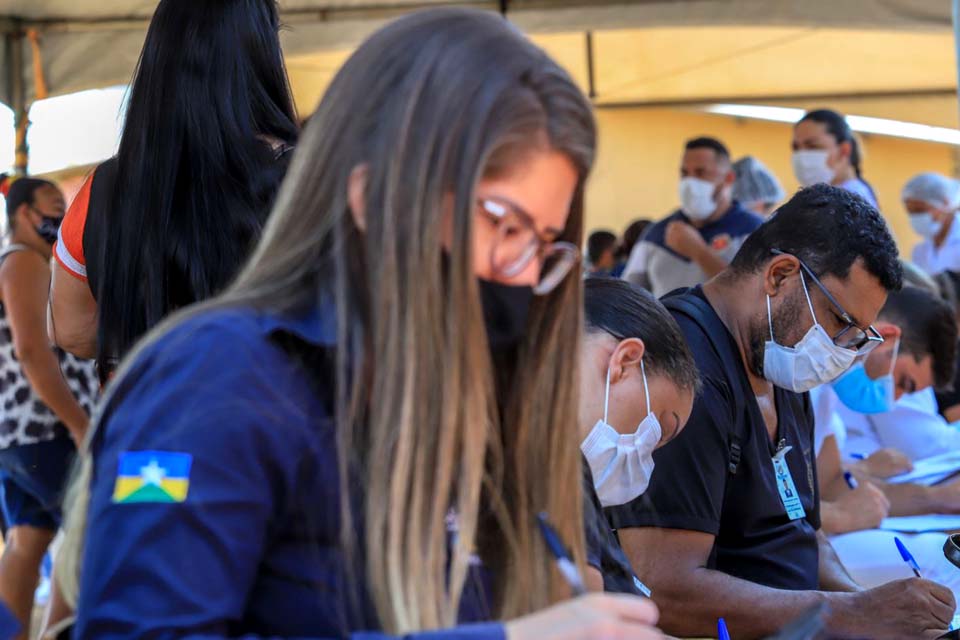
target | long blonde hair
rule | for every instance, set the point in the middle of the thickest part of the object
(428, 106)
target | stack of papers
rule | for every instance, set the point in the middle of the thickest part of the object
(922, 524)
(931, 471)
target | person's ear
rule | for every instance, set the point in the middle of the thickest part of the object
(626, 358)
(23, 215)
(846, 150)
(887, 330)
(729, 179)
(356, 195)
(780, 268)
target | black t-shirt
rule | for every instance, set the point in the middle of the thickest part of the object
(693, 488)
(604, 552)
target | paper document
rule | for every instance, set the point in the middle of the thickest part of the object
(922, 524)
(930, 471)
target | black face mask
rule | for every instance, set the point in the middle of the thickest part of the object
(505, 312)
(48, 228)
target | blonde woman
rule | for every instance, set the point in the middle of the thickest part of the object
(359, 434)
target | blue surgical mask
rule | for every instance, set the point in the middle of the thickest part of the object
(860, 393)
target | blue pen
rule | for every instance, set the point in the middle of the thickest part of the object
(722, 633)
(568, 569)
(907, 557)
(858, 456)
(851, 481)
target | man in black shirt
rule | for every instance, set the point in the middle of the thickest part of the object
(729, 526)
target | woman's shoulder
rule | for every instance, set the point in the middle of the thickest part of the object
(216, 378)
(240, 338)
(224, 352)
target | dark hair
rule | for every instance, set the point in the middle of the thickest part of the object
(196, 174)
(928, 327)
(624, 311)
(709, 143)
(829, 228)
(631, 236)
(838, 127)
(598, 242)
(18, 192)
(949, 284)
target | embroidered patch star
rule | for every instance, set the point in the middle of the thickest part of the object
(152, 476)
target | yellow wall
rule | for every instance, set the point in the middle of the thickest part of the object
(640, 149)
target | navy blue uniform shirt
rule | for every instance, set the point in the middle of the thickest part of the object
(215, 499)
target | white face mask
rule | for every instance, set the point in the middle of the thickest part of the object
(811, 167)
(622, 464)
(813, 361)
(925, 225)
(696, 198)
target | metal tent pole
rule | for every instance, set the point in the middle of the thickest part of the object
(17, 90)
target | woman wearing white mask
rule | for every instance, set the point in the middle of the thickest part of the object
(825, 150)
(932, 201)
(638, 379)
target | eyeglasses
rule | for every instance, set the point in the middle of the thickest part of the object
(518, 243)
(852, 336)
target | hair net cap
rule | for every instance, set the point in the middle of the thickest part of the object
(755, 183)
(934, 189)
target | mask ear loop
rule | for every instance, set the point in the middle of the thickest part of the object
(606, 397)
(770, 320)
(803, 282)
(646, 389)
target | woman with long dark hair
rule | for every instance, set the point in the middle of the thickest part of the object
(360, 433)
(170, 219)
(826, 150)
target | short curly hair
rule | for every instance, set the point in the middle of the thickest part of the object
(829, 229)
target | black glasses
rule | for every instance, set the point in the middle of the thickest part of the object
(518, 243)
(852, 336)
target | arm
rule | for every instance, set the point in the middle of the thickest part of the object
(25, 282)
(72, 316)
(692, 597)
(833, 575)
(687, 241)
(916, 499)
(843, 509)
(710, 262)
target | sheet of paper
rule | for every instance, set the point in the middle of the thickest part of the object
(930, 471)
(921, 524)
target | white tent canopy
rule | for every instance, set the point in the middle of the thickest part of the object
(94, 43)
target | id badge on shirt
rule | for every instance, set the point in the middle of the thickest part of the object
(788, 491)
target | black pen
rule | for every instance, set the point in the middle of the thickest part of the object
(568, 569)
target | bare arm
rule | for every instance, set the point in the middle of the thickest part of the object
(843, 509)
(833, 575)
(672, 563)
(24, 281)
(710, 262)
(72, 318)
(915, 499)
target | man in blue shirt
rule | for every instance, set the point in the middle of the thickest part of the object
(698, 240)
